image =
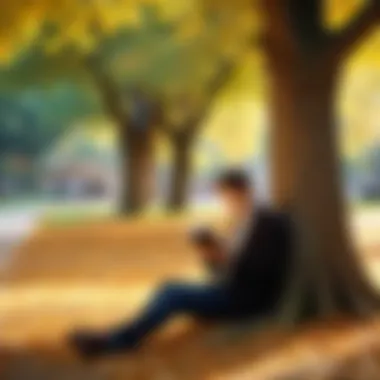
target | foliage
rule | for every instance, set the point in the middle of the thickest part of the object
(33, 120)
(70, 22)
(170, 47)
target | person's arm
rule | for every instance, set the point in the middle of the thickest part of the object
(214, 259)
(211, 250)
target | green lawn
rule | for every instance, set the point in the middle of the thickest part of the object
(19, 203)
(67, 214)
(73, 214)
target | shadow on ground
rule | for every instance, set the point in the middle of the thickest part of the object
(335, 351)
(196, 352)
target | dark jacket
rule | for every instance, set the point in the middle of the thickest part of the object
(263, 262)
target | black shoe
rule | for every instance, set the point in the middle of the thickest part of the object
(89, 345)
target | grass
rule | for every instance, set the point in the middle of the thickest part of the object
(20, 202)
(68, 214)
(97, 212)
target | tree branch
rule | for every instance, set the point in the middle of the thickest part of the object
(347, 39)
(306, 22)
(224, 74)
(277, 25)
(191, 124)
(108, 91)
(168, 129)
(163, 121)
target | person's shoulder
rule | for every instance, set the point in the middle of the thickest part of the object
(269, 211)
(270, 214)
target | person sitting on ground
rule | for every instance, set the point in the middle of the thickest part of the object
(252, 269)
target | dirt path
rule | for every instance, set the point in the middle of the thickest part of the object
(15, 227)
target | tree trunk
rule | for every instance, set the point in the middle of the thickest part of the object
(282, 141)
(327, 278)
(137, 177)
(181, 171)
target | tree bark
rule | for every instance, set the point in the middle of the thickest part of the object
(136, 134)
(282, 159)
(137, 177)
(181, 172)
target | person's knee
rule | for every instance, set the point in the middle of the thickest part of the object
(170, 291)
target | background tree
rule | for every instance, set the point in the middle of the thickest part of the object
(122, 56)
(221, 51)
(182, 133)
(132, 111)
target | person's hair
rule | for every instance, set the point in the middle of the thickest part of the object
(234, 179)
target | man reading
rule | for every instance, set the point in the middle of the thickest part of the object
(251, 269)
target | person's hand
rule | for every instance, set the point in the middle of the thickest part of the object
(208, 246)
(202, 236)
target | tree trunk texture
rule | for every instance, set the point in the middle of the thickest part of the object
(137, 165)
(327, 278)
(181, 172)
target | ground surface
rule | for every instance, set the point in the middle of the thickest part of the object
(100, 273)
(15, 226)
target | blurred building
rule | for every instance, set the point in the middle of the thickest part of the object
(371, 183)
(79, 166)
(78, 180)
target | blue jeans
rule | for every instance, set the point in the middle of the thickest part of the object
(175, 298)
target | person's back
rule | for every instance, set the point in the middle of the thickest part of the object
(264, 261)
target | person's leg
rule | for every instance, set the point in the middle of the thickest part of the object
(172, 298)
